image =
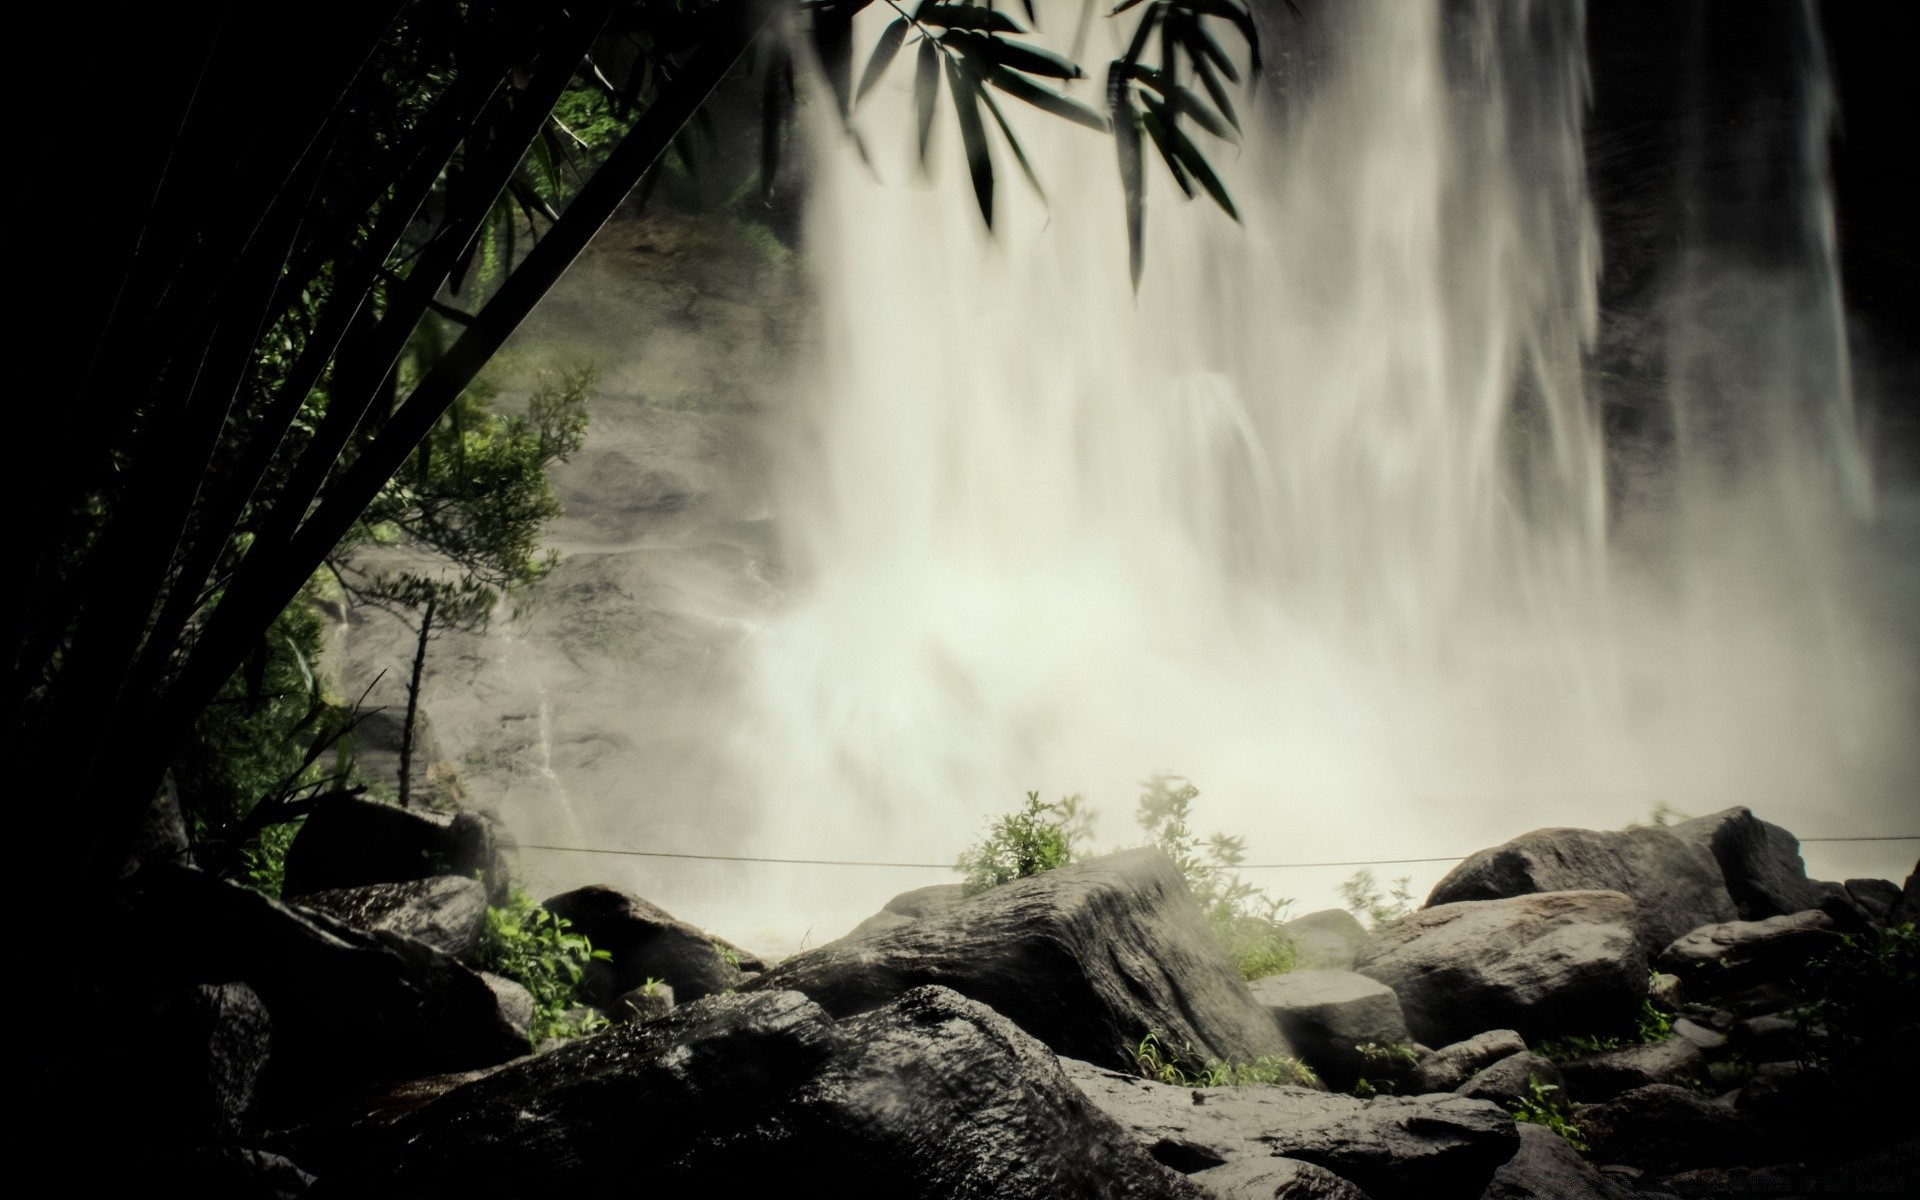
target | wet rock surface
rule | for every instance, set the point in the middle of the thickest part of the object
(1544, 965)
(447, 912)
(1547, 1168)
(351, 842)
(1605, 1075)
(1089, 958)
(1328, 1015)
(646, 942)
(1452, 1065)
(1738, 954)
(1760, 862)
(1513, 1078)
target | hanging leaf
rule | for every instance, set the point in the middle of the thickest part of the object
(1145, 30)
(1155, 122)
(1216, 90)
(1233, 10)
(966, 105)
(966, 16)
(776, 107)
(1202, 171)
(884, 50)
(1126, 140)
(833, 42)
(926, 94)
(1020, 57)
(1042, 97)
(1180, 100)
(1013, 143)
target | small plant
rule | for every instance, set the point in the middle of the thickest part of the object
(1244, 918)
(726, 953)
(1542, 1107)
(265, 862)
(1366, 899)
(1652, 1025)
(1183, 1068)
(1037, 838)
(531, 946)
(1855, 998)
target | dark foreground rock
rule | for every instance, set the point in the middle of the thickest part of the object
(1545, 965)
(1605, 1075)
(1391, 1147)
(1089, 958)
(1675, 883)
(1739, 954)
(1663, 1128)
(349, 842)
(1329, 1015)
(1547, 1168)
(184, 1061)
(646, 942)
(931, 1096)
(447, 912)
(1760, 862)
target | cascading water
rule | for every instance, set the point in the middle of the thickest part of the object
(1319, 519)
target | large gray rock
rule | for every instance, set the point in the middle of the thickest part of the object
(1512, 1079)
(1089, 958)
(931, 1096)
(1275, 1179)
(1760, 862)
(1330, 938)
(1675, 884)
(1452, 1065)
(1391, 1147)
(348, 1008)
(350, 842)
(1547, 1168)
(1545, 965)
(447, 912)
(1328, 1015)
(1665, 1128)
(1738, 954)
(1877, 897)
(516, 1002)
(1603, 1076)
(646, 942)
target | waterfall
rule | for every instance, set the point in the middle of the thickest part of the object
(1321, 518)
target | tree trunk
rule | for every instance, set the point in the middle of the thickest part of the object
(413, 702)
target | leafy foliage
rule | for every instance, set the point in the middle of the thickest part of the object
(1386, 1066)
(1366, 899)
(1183, 1068)
(1039, 837)
(1542, 1107)
(1856, 998)
(531, 946)
(266, 859)
(1652, 1025)
(1245, 918)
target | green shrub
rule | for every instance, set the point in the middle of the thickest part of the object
(1244, 918)
(265, 862)
(1184, 1068)
(1037, 838)
(1651, 1026)
(531, 946)
(1367, 900)
(1387, 1064)
(1856, 998)
(1542, 1107)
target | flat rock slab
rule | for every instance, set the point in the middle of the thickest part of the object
(753, 1094)
(1716, 959)
(1327, 1015)
(1603, 1076)
(1676, 884)
(447, 912)
(1391, 1147)
(1545, 965)
(1452, 1065)
(645, 942)
(1760, 862)
(1089, 958)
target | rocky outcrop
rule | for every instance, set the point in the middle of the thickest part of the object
(1547, 1168)
(936, 900)
(1391, 1147)
(1676, 884)
(350, 842)
(1330, 939)
(1759, 861)
(447, 912)
(1544, 965)
(1663, 1128)
(1328, 1015)
(1089, 958)
(646, 942)
(1452, 1065)
(1738, 954)
(1512, 1079)
(762, 1090)
(1603, 1076)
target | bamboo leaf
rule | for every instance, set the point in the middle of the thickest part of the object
(1202, 171)
(1126, 140)
(1013, 143)
(1155, 121)
(1020, 57)
(926, 94)
(1216, 90)
(776, 97)
(966, 106)
(1148, 20)
(1232, 10)
(833, 42)
(967, 16)
(1180, 100)
(1042, 97)
(884, 50)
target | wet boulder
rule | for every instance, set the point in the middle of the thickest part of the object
(1675, 884)
(1603, 1076)
(1662, 1127)
(1275, 1179)
(1330, 938)
(911, 906)
(516, 1002)
(646, 942)
(1760, 862)
(350, 842)
(186, 1060)
(1543, 965)
(1447, 1068)
(1089, 958)
(1390, 1147)
(1512, 1079)
(1547, 1168)
(1724, 958)
(1876, 897)
(447, 912)
(930, 1096)
(1328, 1015)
